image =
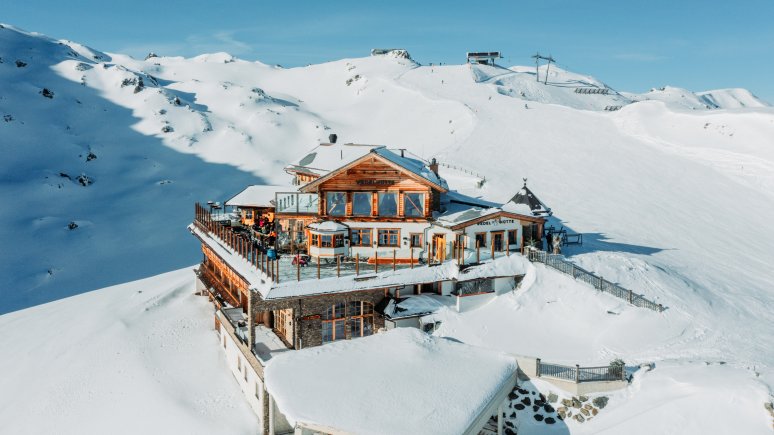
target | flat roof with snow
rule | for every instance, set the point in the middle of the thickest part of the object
(400, 381)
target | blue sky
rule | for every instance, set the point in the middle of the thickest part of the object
(631, 45)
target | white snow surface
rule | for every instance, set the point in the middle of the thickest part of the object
(389, 382)
(140, 357)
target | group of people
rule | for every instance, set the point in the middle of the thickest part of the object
(265, 227)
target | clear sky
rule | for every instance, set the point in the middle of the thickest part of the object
(631, 45)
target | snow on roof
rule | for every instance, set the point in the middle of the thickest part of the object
(412, 164)
(504, 266)
(526, 197)
(455, 215)
(257, 196)
(453, 197)
(414, 305)
(328, 157)
(400, 381)
(328, 226)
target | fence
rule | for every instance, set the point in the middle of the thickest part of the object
(580, 374)
(559, 263)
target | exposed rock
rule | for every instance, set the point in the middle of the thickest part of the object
(583, 398)
(83, 66)
(353, 79)
(85, 180)
(72, 225)
(65, 175)
(550, 420)
(176, 101)
(548, 408)
(7, 118)
(167, 129)
(535, 408)
(567, 402)
(526, 401)
(509, 424)
(47, 93)
(509, 431)
(20, 64)
(140, 85)
(552, 398)
(523, 391)
(91, 156)
(519, 406)
(151, 55)
(579, 418)
(513, 396)
(587, 406)
(513, 415)
(600, 402)
(538, 417)
(585, 412)
(576, 403)
(594, 411)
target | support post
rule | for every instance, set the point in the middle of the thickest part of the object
(630, 296)
(537, 367)
(318, 267)
(357, 264)
(577, 373)
(478, 251)
(493, 251)
(338, 266)
(393, 259)
(411, 253)
(298, 267)
(376, 261)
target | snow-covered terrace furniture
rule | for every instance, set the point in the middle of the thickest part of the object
(398, 382)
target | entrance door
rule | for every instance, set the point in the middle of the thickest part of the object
(439, 247)
(498, 240)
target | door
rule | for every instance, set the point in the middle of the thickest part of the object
(498, 240)
(439, 247)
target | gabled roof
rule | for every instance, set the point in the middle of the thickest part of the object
(526, 197)
(327, 157)
(413, 167)
(257, 196)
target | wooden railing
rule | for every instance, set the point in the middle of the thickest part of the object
(580, 374)
(559, 263)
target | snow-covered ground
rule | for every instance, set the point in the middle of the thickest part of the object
(140, 357)
(673, 192)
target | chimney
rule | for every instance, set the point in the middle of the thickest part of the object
(402, 151)
(434, 166)
(332, 138)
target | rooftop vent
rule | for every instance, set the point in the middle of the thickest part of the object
(332, 138)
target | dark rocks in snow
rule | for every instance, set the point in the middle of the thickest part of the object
(167, 129)
(7, 118)
(91, 156)
(519, 406)
(538, 417)
(513, 396)
(526, 401)
(535, 408)
(83, 66)
(549, 420)
(353, 79)
(20, 63)
(72, 225)
(600, 402)
(65, 175)
(548, 408)
(151, 55)
(163, 112)
(140, 85)
(177, 101)
(509, 431)
(552, 398)
(513, 415)
(129, 82)
(583, 398)
(84, 179)
(47, 93)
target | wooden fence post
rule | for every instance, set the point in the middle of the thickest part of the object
(537, 367)
(577, 373)
(318, 267)
(493, 251)
(357, 264)
(298, 267)
(478, 251)
(338, 266)
(630, 296)
(411, 261)
(376, 261)
(393, 260)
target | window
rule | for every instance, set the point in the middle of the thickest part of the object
(326, 241)
(414, 204)
(336, 203)
(513, 237)
(360, 237)
(361, 203)
(389, 237)
(481, 239)
(315, 239)
(388, 204)
(361, 318)
(333, 323)
(416, 240)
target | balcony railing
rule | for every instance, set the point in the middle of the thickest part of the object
(296, 203)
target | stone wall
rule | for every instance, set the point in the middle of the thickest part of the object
(308, 312)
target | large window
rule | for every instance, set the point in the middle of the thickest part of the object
(361, 318)
(331, 240)
(513, 237)
(413, 204)
(360, 236)
(333, 323)
(481, 240)
(388, 204)
(389, 237)
(359, 315)
(416, 240)
(361, 203)
(336, 203)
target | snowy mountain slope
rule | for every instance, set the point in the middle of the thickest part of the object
(139, 357)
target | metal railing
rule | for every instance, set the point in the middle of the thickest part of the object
(559, 263)
(580, 374)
